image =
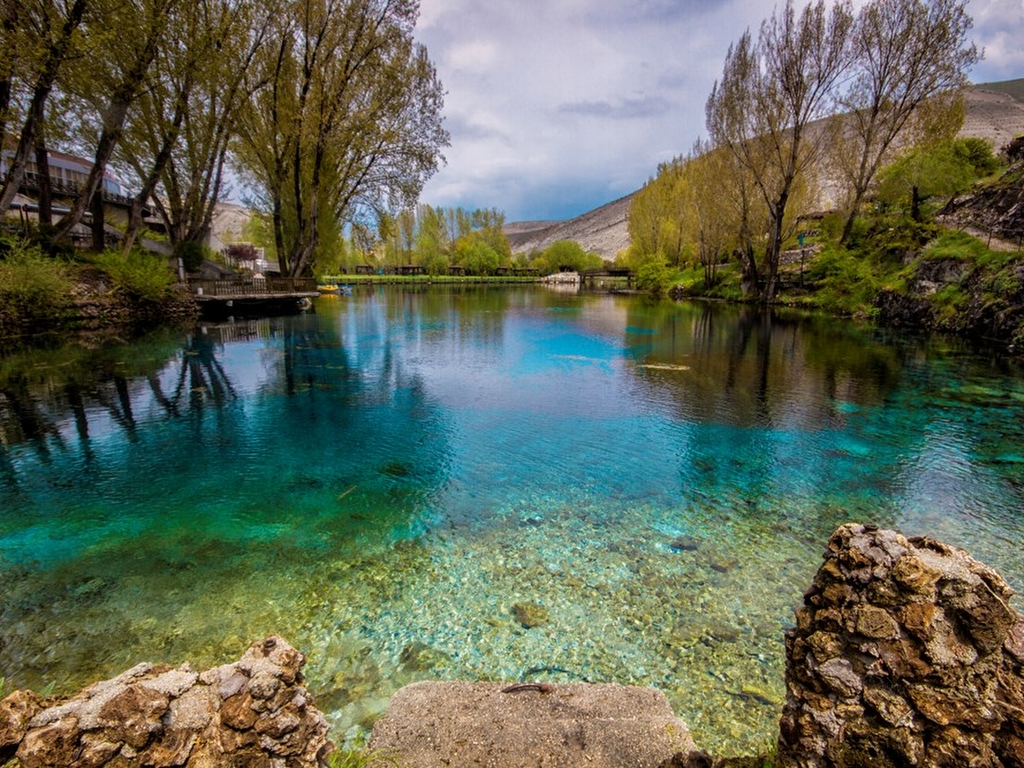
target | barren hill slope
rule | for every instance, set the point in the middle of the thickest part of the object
(995, 111)
(602, 230)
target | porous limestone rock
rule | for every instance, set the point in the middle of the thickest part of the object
(906, 653)
(254, 712)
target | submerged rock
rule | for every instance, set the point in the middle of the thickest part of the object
(530, 614)
(420, 657)
(684, 544)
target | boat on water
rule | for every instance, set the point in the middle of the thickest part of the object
(331, 288)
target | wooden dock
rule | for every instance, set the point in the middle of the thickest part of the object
(593, 278)
(253, 294)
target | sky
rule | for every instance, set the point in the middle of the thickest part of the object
(556, 107)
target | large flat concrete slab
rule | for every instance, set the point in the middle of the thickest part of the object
(442, 724)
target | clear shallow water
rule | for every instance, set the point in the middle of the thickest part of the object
(381, 481)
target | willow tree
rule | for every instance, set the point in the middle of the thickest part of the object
(345, 119)
(656, 215)
(770, 93)
(911, 59)
(712, 223)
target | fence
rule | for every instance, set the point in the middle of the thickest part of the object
(253, 286)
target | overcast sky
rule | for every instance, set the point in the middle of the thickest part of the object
(558, 106)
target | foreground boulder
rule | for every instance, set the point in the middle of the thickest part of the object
(906, 653)
(530, 724)
(254, 712)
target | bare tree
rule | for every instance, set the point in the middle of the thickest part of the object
(907, 53)
(768, 96)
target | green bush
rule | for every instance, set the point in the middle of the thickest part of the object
(847, 282)
(33, 286)
(191, 254)
(139, 275)
(569, 255)
(476, 255)
(654, 277)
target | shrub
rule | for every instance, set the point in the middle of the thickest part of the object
(473, 253)
(139, 275)
(33, 286)
(191, 254)
(847, 283)
(654, 277)
(569, 256)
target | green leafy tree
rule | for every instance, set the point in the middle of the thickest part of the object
(474, 253)
(941, 170)
(38, 37)
(656, 214)
(978, 154)
(177, 140)
(347, 118)
(111, 79)
(570, 256)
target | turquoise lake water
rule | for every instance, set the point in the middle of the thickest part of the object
(384, 479)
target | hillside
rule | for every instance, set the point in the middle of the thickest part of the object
(995, 112)
(602, 230)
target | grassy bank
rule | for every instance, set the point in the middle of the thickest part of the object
(423, 279)
(39, 291)
(895, 272)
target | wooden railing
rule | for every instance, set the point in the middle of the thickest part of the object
(252, 286)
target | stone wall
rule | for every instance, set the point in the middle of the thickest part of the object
(253, 713)
(906, 653)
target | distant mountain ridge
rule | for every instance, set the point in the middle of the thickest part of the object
(995, 112)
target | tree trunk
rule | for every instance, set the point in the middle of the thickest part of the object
(55, 55)
(9, 25)
(43, 172)
(750, 278)
(851, 217)
(97, 224)
(915, 203)
(94, 183)
(159, 164)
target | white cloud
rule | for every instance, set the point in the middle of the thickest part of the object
(557, 106)
(999, 29)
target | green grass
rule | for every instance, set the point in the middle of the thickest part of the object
(34, 287)
(139, 275)
(1012, 88)
(425, 279)
(846, 283)
(363, 758)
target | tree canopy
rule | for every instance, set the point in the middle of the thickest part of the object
(822, 98)
(328, 109)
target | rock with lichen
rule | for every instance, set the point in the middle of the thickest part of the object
(255, 711)
(906, 652)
